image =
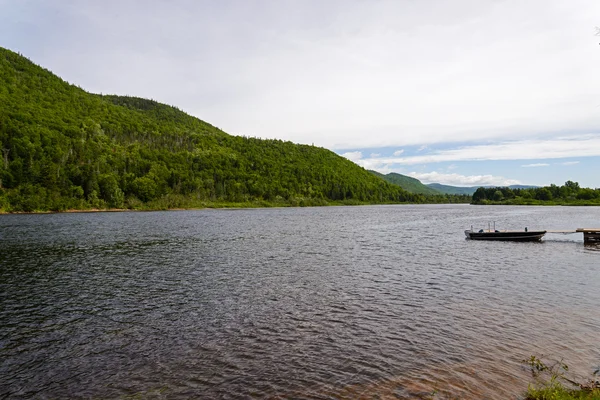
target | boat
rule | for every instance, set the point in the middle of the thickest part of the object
(515, 236)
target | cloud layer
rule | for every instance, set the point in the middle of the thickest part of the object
(340, 74)
(580, 146)
(463, 180)
(534, 149)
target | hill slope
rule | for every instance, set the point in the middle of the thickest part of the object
(453, 189)
(407, 183)
(65, 148)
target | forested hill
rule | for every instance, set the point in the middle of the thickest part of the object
(408, 183)
(63, 148)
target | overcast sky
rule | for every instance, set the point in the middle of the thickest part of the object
(458, 92)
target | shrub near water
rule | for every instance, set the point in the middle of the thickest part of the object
(558, 392)
(556, 385)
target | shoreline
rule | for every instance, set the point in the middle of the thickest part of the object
(234, 206)
(242, 206)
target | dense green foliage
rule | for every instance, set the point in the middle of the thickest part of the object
(568, 194)
(63, 148)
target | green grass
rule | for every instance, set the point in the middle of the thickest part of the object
(556, 391)
(551, 388)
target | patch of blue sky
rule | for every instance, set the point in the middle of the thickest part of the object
(465, 168)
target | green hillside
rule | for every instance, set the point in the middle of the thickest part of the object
(452, 189)
(408, 183)
(63, 148)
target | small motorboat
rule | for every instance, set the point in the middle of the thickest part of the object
(515, 236)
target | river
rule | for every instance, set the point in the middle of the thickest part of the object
(305, 303)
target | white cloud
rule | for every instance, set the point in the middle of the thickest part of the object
(535, 165)
(370, 163)
(375, 155)
(463, 180)
(354, 156)
(570, 163)
(397, 153)
(566, 147)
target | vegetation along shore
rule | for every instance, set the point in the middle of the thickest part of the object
(554, 383)
(568, 194)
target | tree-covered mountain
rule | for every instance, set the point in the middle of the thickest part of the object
(452, 189)
(408, 183)
(63, 148)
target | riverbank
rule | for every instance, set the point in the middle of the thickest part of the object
(208, 205)
(558, 392)
(178, 203)
(553, 382)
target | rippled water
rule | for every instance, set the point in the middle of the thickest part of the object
(317, 303)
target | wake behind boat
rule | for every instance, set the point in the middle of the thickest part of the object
(516, 236)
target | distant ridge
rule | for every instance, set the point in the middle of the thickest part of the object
(408, 183)
(469, 190)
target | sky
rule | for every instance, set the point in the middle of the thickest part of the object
(461, 92)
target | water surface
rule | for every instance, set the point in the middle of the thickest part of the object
(316, 303)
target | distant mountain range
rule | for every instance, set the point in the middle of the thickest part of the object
(414, 185)
(470, 189)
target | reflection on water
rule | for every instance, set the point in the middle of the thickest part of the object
(318, 303)
(592, 246)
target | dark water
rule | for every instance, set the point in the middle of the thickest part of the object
(318, 303)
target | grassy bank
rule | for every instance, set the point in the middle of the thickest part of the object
(554, 382)
(556, 391)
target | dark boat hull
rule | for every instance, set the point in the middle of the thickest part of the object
(512, 236)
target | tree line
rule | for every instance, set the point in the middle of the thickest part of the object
(569, 193)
